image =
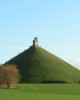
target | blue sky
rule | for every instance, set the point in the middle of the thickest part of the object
(56, 23)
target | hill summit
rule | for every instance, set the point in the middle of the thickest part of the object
(37, 65)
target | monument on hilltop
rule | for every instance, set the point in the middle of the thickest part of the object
(37, 65)
(35, 42)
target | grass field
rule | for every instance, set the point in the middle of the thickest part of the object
(42, 92)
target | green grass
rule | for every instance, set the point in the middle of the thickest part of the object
(37, 64)
(42, 92)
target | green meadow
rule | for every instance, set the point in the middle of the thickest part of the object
(42, 92)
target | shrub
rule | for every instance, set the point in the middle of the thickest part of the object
(9, 76)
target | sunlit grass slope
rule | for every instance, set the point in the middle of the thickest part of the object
(37, 65)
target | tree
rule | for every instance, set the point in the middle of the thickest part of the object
(9, 75)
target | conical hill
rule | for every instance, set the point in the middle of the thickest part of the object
(37, 65)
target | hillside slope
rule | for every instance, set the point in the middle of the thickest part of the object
(37, 65)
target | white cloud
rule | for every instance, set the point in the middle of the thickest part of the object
(75, 62)
(78, 60)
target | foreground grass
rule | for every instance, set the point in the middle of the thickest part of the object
(42, 92)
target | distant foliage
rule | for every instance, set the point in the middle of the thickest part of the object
(54, 82)
(9, 76)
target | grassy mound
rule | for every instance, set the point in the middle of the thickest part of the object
(37, 65)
